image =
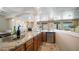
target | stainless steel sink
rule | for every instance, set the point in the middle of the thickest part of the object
(11, 39)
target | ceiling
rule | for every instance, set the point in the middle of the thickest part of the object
(43, 13)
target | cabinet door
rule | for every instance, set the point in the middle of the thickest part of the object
(35, 40)
(29, 45)
(30, 48)
(44, 37)
(50, 37)
(38, 42)
(39, 39)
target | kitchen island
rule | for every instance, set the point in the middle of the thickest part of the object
(65, 40)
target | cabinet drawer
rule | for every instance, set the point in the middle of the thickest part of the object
(30, 48)
(29, 42)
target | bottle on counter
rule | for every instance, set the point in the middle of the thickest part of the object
(14, 32)
(18, 32)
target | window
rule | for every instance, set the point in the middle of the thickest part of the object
(67, 15)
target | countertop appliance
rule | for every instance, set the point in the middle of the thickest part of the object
(29, 29)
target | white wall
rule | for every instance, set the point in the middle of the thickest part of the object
(4, 24)
(67, 41)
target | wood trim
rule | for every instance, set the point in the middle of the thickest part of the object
(54, 41)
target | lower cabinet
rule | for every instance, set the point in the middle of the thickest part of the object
(44, 36)
(50, 36)
(30, 48)
(40, 39)
(35, 42)
(29, 45)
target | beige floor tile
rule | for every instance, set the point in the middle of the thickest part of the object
(48, 47)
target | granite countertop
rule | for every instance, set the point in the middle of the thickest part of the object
(6, 46)
(74, 34)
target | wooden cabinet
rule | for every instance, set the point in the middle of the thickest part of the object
(50, 36)
(44, 36)
(32, 44)
(35, 40)
(30, 48)
(29, 45)
(40, 39)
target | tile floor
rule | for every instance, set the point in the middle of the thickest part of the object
(48, 47)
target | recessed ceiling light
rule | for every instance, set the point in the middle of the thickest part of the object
(12, 20)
